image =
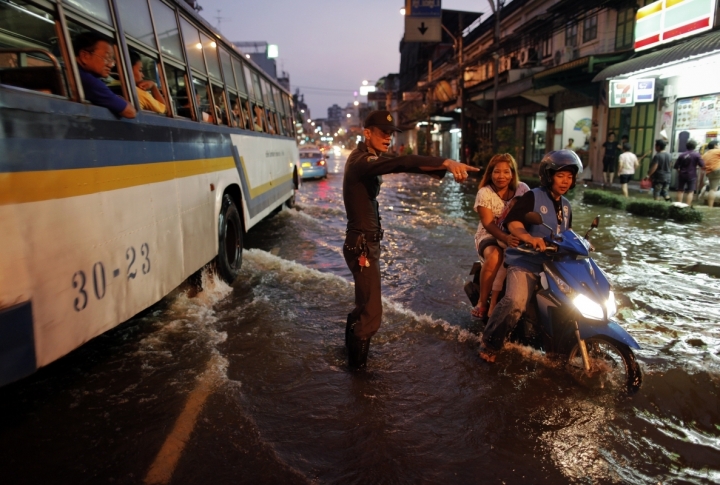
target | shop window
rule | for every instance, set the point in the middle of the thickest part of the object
(571, 36)
(625, 29)
(33, 59)
(547, 47)
(135, 18)
(590, 28)
(167, 29)
(638, 124)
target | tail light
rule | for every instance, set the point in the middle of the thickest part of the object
(321, 163)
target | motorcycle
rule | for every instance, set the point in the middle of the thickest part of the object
(573, 310)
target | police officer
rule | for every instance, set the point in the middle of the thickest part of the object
(361, 186)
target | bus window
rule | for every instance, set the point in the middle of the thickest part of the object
(271, 122)
(193, 47)
(203, 101)
(147, 83)
(221, 111)
(167, 29)
(211, 56)
(114, 79)
(227, 70)
(239, 76)
(135, 18)
(236, 116)
(98, 9)
(247, 118)
(256, 87)
(177, 87)
(32, 59)
(258, 118)
(248, 82)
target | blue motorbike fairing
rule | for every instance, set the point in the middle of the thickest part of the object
(610, 329)
(572, 243)
(583, 276)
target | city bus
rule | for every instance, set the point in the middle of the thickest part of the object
(101, 216)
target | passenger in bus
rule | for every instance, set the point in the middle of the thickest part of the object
(258, 121)
(185, 108)
(237, 115)
(271, 125)
(94, 55)
(152, 101)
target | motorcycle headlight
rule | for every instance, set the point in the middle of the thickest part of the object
(588, 308)
(611, 305)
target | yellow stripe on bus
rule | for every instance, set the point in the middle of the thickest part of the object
(670, 3)
(22, 187)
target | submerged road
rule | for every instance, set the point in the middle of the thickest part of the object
(249, 384)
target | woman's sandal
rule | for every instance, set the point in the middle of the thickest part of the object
(480, 312)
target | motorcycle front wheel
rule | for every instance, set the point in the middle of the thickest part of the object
(612, 365)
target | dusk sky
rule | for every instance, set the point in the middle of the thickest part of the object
(327, 44)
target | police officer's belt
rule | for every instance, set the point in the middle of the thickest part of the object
(369, 236)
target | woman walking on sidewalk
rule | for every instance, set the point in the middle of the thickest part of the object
(626, 167)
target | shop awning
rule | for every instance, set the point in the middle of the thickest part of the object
(700, 46)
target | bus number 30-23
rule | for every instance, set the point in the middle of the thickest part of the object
(135, 262)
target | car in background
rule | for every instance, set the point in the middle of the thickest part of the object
(313, 163)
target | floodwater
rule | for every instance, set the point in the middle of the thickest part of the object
(265, 360)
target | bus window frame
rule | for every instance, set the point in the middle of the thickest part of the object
(122, 56)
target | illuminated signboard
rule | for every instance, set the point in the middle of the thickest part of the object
(622, 93)
(669, 20)
(644, 90)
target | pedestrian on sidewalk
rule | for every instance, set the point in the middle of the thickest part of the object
(626, 167)
(609, 158)
(361, 186)
(660, 171)
(687, 165)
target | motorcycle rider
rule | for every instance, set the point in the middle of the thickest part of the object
(558, 174)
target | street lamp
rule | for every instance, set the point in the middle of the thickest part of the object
(349, 115)
(402, 11)
(356, 102)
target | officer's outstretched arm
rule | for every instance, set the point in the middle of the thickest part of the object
(458, 169)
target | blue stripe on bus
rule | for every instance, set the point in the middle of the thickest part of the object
(33, 154)
(17, 343)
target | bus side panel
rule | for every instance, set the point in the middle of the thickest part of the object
(99, 259)
(265, 165)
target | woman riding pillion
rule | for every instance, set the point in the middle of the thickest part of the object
(497, 189)
(558, 173)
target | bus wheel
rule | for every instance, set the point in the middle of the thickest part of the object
(230, 241)
(290, 203)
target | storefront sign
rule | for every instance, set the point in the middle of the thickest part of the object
(699, 113)
(669, 20)
(644, 90)
(622, 93)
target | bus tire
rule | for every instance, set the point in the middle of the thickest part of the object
(230, 241)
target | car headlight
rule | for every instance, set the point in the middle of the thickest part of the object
(588, 308)
(611, 305)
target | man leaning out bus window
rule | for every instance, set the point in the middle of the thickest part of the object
(94, 55)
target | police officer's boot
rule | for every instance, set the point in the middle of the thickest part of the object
(357, 352)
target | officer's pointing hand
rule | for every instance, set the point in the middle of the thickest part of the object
(459, 170)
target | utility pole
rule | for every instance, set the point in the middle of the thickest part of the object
(496, 68)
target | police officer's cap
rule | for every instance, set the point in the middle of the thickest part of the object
(382, 119)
